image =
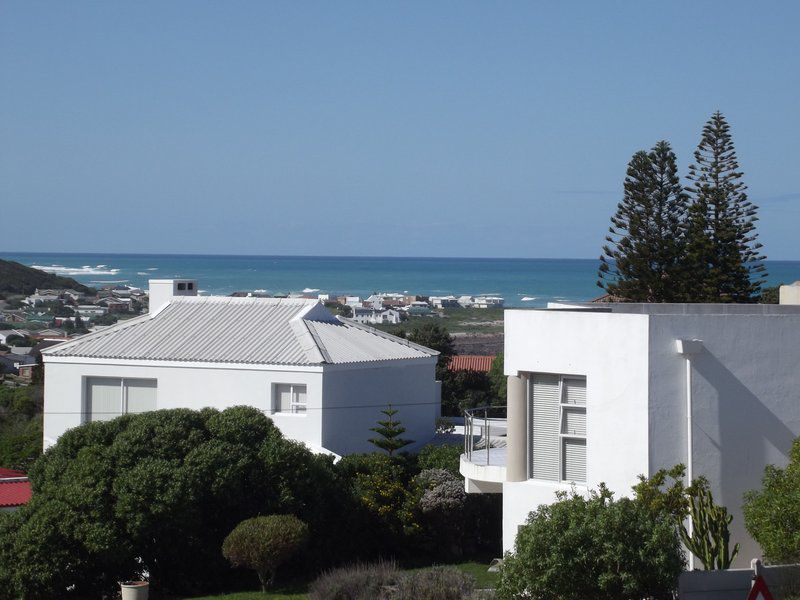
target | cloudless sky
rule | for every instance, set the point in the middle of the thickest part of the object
(377, 128)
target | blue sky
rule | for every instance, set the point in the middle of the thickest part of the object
(377, 128)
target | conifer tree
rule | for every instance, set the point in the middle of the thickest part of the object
(723, 254)
(390, 432)
(642, 261)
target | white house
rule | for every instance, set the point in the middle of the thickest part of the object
(322, 380)
(376, 317)
(603, 394)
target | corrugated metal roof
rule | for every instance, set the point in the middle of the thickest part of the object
(290, 331)
(346, 342)
(469, 362)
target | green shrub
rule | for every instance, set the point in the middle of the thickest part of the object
(265, 543)
(355, 582)
(595, 547)
(772, 515)
(438, 583)
(159, 492)
(447, 456)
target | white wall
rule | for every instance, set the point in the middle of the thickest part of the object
(339, 426)
(611, 351)
(746, 402)
(408, 385)
(181, 386)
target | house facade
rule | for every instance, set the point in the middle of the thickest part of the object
(606, 394)
(322, 380)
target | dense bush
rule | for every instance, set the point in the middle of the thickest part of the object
(772, 515)
(355, 582)
(265, 543)
(438, 583)
(158, 492)
(447, 457)
(20, 426)
(595, 547)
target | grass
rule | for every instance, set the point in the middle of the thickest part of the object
(298, 591)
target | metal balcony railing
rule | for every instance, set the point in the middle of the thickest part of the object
(485, 429)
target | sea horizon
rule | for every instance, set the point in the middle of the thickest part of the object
(522, 282)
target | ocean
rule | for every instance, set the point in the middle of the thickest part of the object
(521, 281)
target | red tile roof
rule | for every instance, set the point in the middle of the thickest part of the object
(5, 473)
(14, 492)
(470, 362)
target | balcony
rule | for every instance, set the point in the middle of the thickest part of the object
(483, 463)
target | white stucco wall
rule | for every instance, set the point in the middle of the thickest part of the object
(337, 425)
(181, 386)
(611, 351)
(409, 386)
(746, 402)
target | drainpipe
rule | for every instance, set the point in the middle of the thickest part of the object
(517, 432)
(688, 349)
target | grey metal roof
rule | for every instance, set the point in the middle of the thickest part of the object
(287, 331)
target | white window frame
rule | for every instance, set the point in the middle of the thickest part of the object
(296, 409)
(123, 396)
(563, 408)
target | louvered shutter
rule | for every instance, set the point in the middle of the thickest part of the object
(544, 426)
(574, 460)
(573, 421)
(103, 398)
(140, 395)
(574, 391)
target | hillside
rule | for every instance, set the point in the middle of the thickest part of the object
(19, 279)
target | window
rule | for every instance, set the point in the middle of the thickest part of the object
(557, 427)
(181, 287)
(289, 398)
(190, 286)
(110, 397)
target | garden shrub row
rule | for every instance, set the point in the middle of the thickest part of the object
(157, 493)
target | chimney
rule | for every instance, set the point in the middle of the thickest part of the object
(163, 290)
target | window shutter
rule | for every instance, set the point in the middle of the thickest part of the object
(544, 426)
(300, 399)
(283, 397)
(140, 395)
(575, 460)
(103, 398)
(574, 421)
(574, 391)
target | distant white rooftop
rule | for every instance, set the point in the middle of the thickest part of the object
(221, 329)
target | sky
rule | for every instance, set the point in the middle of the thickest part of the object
(377, 128)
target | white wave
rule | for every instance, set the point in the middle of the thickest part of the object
(259, 291)
(528, 298)
(153, 269)
(142, 273)
(106, 281)
(310, 290)
(77, 271)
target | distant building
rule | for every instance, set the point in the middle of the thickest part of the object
(444, 302)
(790, 294)
(488, 302)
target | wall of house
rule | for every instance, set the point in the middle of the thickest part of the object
(746, 402)
(355, 395)
(611, 351)
(181, 386)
